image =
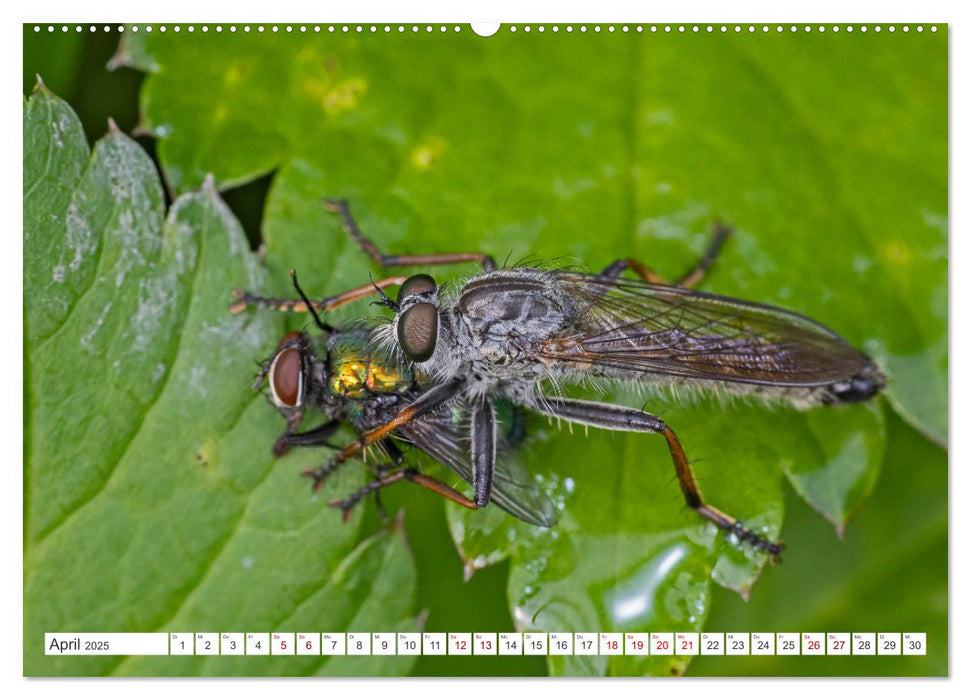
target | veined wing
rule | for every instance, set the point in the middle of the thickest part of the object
(513, 488)
(632, 329)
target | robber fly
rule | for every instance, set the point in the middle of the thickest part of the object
(346, 380)
(507, 333)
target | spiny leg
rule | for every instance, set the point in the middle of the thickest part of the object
(442, 489)
(720, 234)
(245, 299)
(610, 417)
(340, 207)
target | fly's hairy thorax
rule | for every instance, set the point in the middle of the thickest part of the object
(499, 318)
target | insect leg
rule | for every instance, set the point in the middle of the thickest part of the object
(310, 438)
(689, 279)
(340, 207)
(719, 235)
(245, 299)
(442, 489)
(431, 399)
(602, 415)
(483, 450)
(393, 452)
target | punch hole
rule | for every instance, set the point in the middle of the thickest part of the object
(176, 29)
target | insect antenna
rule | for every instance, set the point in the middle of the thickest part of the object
(385, 299)
(326, 327)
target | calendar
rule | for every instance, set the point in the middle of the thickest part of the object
(484, 644)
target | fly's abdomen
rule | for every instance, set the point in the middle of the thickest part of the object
(357, 375)
(865, 385)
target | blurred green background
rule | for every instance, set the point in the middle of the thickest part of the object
(828, 152)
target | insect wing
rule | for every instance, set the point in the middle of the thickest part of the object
(626, 328)
(513, 488)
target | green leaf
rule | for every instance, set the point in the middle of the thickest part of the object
(889, 574)
(151, 498)
(827, 152)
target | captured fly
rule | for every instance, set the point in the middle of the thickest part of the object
(340, 376)
(508, 333)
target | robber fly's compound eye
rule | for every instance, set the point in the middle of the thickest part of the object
(418, 329)
(416, 284)
(286, 374)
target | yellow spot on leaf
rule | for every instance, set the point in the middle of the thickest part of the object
(896, 253)
(427, 155)
(344, 96)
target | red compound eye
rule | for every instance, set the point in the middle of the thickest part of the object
(286, 378)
